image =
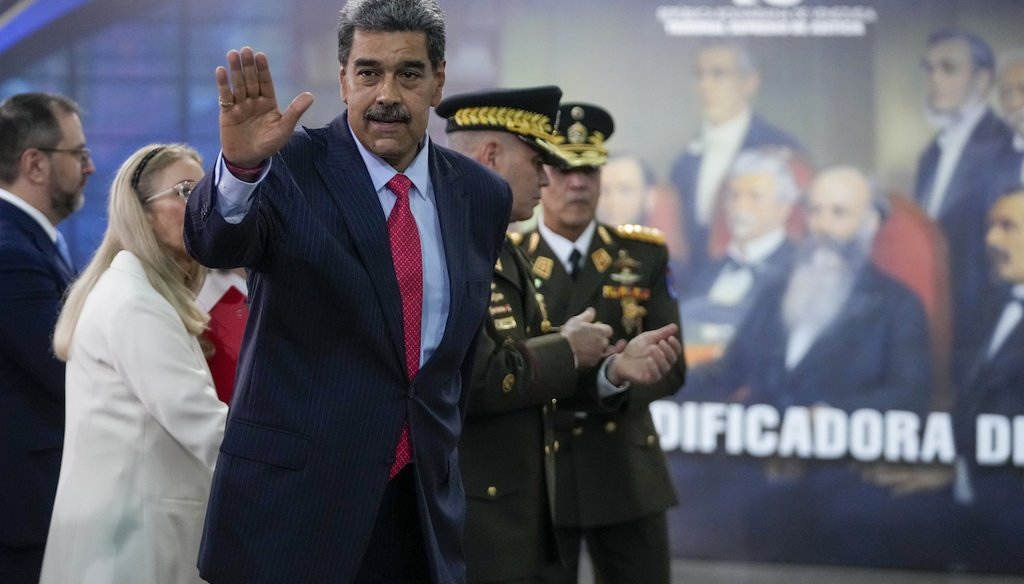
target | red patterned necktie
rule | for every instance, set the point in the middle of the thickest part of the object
(405, 251)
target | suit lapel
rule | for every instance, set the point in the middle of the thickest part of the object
(348, 183)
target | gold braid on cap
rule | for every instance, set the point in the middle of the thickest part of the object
(514, 120)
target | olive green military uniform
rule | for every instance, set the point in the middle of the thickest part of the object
(612, 483)
(507, 447)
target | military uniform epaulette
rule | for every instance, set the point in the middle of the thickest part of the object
(641, 233)
(515, 237)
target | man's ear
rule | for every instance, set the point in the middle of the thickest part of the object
(490, 150)
(34, 165)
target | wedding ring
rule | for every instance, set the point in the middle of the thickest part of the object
(225, 104)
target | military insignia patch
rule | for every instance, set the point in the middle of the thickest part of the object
(543, 266)
(602, 259)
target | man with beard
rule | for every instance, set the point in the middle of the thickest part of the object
(44, 165)
(726, 81)
(370, 252)
(837, 333)
(958, 174)
(760, 195)
(612, 485)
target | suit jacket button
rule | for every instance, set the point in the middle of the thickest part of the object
(610, 426)
(557, 445)
(547, 449)
(492, 491)
(577, 431)
(651, 440)
(508, 383)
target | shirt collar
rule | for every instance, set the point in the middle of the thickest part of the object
(32, 212)
(381, 172)
(731, 131)
(561, 246)
(758, 249)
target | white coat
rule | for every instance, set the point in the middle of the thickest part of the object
(143, 428)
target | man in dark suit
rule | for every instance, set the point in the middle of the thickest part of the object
(990, 492)
(44, 165)
(957, 174)
(1010, 88)
(760, 194)
(612, 486)
(522, 365)
(837, 333)
(370, 252)
(726, 82)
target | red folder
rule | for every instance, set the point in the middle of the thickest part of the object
(227, 324)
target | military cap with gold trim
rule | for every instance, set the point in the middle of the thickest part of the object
(528, 113)
(581, 130)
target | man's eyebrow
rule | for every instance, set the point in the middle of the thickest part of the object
(364, 62)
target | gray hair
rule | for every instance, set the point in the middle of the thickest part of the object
(393, 16)
(29, 120)
(774, 161)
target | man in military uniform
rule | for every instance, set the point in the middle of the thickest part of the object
(612, 484)
(522, 365)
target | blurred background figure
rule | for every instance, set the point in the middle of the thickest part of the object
(44, 165)
(759, 197)
(726, 81)
(631, 194)
(144, 424)
(992, 523)
(837, 333)
(626, 184)
(1010, 87)
(957, 174)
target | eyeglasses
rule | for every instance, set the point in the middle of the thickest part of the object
(182, 189)
(84, 154)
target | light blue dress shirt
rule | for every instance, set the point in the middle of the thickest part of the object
(236, 195)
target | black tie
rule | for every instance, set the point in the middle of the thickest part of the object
(574, 260)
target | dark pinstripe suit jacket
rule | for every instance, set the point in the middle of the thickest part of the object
(321, 390)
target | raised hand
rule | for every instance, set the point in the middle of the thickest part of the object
(587, 339)
(252, 127)
(647, 357)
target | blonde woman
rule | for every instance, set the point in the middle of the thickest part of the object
(143, 422)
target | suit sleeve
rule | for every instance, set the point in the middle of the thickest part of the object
(217, 242)
(510, 375)
(30, 303)
(153, 352)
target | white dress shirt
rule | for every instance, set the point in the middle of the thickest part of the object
(719, 147)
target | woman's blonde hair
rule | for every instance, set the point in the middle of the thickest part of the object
(129, 229)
